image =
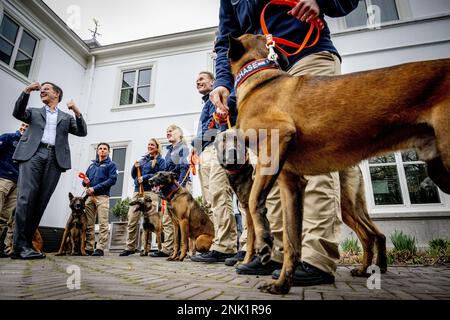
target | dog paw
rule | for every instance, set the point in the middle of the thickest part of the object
(360, 272)
(59, 254)
(171, 258)
(274, 287)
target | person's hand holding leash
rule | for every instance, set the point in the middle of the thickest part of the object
(87, 181)
(219, 97)
(90, 191)
(305, 10)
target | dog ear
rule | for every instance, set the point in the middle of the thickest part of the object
(85, 198)
(70, 196)
(236, 49)
(283, 61)
(147, 199)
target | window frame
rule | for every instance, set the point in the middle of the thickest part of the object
(407, 206)
(9, 68)
(135, 67)
(403, 11)
(211, 62)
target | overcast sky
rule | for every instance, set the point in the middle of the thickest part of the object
(125, 20)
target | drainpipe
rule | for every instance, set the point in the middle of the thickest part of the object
(82, 144)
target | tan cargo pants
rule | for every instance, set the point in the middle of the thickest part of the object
(8, 198)
(98, 205)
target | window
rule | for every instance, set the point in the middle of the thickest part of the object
(135, 87)
(401, 179)
(17, 46)
(118, 155)
(211, 62)
(372, 12)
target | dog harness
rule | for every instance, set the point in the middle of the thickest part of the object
(251, 68)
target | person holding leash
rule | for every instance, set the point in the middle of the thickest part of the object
(142, 171)
(177, 162)
(100, 177)
(9, 172)
(216, 189)
(322, 220)
(43, 154)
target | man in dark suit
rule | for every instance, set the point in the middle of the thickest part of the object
(43, 154)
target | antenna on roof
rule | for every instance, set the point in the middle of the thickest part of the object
(95, 33)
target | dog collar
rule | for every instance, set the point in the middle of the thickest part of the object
(251, 68)
(172, 190)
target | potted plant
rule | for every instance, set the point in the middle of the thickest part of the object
(120, 209)
(118, 238)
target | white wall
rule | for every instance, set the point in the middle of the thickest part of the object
(421, 8)
(390, 45)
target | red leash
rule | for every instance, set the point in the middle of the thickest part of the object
(275, 41)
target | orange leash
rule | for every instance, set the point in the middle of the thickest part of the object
(83, 176)
(221, 121)
(193, 161)
(141, 187)
(280, 41)
(163, 206)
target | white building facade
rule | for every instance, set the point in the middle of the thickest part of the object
(130, 92)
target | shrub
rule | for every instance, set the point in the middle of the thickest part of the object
(439, 247)
(403, 242)
(120, 209)
(351, 246)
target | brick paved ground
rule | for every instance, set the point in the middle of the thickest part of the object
(134, 277)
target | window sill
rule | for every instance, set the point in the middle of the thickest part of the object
(410, 215)
(389, 24)
(14, 73)
(132, 107)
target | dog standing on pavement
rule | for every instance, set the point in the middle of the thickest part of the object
(188, 218)
(74, 238)
(329, 123)
(152, 222)
(234, 158)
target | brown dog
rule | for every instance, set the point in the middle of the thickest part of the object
(152, 222)
(186, 214)
(37, 241)
(234, 158)
(328, 123)
(74, 238)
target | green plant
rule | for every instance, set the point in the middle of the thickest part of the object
(439, 247)
(120, 209)
(403, 243)
(351, 246)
